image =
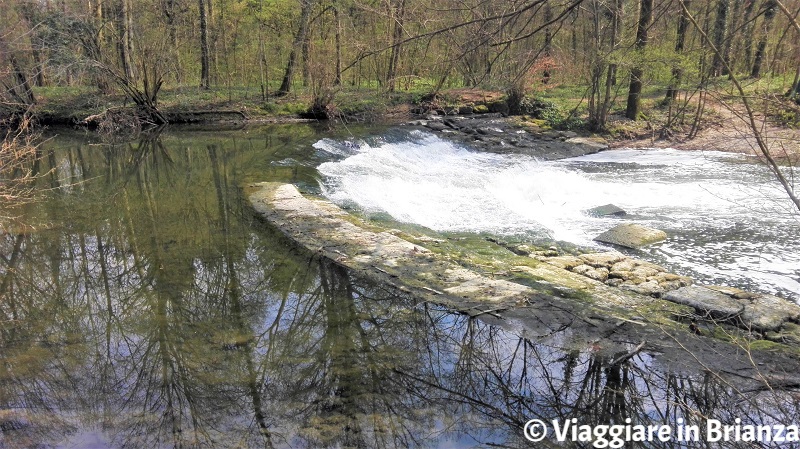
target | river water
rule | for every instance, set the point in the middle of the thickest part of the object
(143, 305)
(728, 220)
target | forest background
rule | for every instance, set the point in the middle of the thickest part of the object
(586, 60)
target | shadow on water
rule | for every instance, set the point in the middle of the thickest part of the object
(154, 312)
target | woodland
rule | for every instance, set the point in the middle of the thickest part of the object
(572, 64)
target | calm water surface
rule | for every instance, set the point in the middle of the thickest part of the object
(149, 308)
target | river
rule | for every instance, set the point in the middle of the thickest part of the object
(143, 305)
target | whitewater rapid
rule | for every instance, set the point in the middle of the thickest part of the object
(727, 217)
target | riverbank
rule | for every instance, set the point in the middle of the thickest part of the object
(552, 116)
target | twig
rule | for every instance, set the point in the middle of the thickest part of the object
(624, 358)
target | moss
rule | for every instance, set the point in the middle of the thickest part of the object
(764, 345)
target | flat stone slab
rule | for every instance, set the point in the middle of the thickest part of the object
(706, 301)
(631, 235)
(755, 311)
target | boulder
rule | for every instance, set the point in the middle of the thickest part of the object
(605, 211)
(631, 235)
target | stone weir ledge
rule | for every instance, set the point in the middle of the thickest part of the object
(553, 295)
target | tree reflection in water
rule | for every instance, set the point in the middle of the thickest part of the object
(159, 314)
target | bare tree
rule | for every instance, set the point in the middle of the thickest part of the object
(749, 115)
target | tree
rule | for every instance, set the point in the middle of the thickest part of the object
(635, 90)
(719, 36)
(300, 37)
(749, 115)
(769, 14)
(204, 49)
(680, 45)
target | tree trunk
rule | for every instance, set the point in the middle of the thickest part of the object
(719, 36)
(548, 42)
(204, 50)
(299, 39)
(168, 9)
(22, 81)
(338, 78)
(611, 75)
(748, 31)
(769, 13)
(635, 89)
(397, 35)
(680, 44)
(126, 41)
(794, 92)
(733, 33)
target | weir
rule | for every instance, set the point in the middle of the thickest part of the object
(539, 296)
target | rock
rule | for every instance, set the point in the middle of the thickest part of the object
(671, 285)
(614, 282)
(499, 106)
(760, 312)
(605, 211)
(565, 262)
(436, 126)
(707, 302)
(789, 334)
(733, 292)
(631, 235)
(605, 259)
(480, 109)
(624, 265)
(649, 288)
(645, 272)
(596, 143)
(663, 277)
(598, 274)
(627, 276)
(767, 312)
(465, 110)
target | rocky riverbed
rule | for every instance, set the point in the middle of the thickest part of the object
(498, 134)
